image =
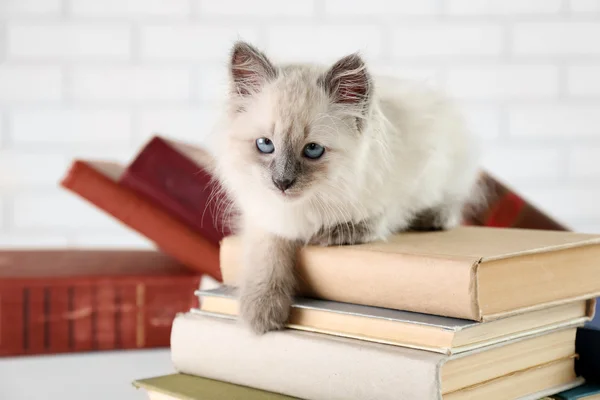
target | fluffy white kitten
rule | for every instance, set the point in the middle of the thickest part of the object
(329, 155)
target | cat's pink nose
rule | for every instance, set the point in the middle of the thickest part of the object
(283, 184)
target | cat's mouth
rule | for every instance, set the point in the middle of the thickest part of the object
(289, 194)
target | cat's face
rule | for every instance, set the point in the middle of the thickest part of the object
(294, 129)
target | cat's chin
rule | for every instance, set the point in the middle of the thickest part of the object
(288, 196)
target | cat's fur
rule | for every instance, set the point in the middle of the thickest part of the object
(397, 156)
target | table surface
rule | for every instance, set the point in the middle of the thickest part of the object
(89, 376)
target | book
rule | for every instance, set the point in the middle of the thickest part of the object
(588, 346)
(176, 176)
(586, 391)
(506, 208)
(311, 365)
(189, 387)
(475, 273)
(403, 328)
(65, 301)
(97, 182)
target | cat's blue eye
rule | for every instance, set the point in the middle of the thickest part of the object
(265, 145)
(313, 150)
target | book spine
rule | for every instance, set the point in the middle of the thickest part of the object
(169, 234)
(91, 315)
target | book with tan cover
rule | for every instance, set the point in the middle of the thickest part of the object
(316, 366)
(409, 329)
(476, 273)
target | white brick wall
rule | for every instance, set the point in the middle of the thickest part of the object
(88, 78)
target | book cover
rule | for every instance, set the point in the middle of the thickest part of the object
(467, 272)
(176, 177)
(97, 182)
(506, 208)
(189, 387)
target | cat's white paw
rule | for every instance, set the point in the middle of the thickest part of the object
(265, 310)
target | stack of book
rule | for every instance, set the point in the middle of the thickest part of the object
(71, 300)
(470, 313)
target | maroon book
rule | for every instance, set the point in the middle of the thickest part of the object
(175, 176)
(67, 301)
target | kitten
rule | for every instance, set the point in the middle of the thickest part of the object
(330, 155)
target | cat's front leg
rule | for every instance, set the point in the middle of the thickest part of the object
(347, 233)
(269, 283)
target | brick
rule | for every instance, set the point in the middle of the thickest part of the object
(192, 42)
(130, 8)
(525, 163)
(68, 41)
(446, 39)
(31, 169)
(586, 226)
(556, 38)
(482, 121)
(212, 83)
(28, 83)
(58, 209)
(68, 126)
(584, 6)
(583, 161)
(124, 239)
(131, 83)
(502, 7)
(2, 133)
(262, 8)
(568, 202)
(422, 75)
(190, 125)
(551, 120)
(298, 42)
(583, 80)
(27, 8)
(503, 82)
(381, 7)
(28, 240)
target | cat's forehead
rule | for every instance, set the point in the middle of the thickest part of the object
(297, 97)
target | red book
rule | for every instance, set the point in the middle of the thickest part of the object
(64, 301)
(97, 182)
(175, 176)
(507, 209)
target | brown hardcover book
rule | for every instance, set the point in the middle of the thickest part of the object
(63, 301)
(97, 183)
(507, 209)
(176, 177)
(475, 273)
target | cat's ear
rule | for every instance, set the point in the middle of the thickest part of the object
(347, 81)
(250, 69)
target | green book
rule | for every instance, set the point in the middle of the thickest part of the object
(189, 387)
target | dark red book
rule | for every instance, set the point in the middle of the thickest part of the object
(97, 182)
(507, 209)
(176, 177)
(63, 301)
